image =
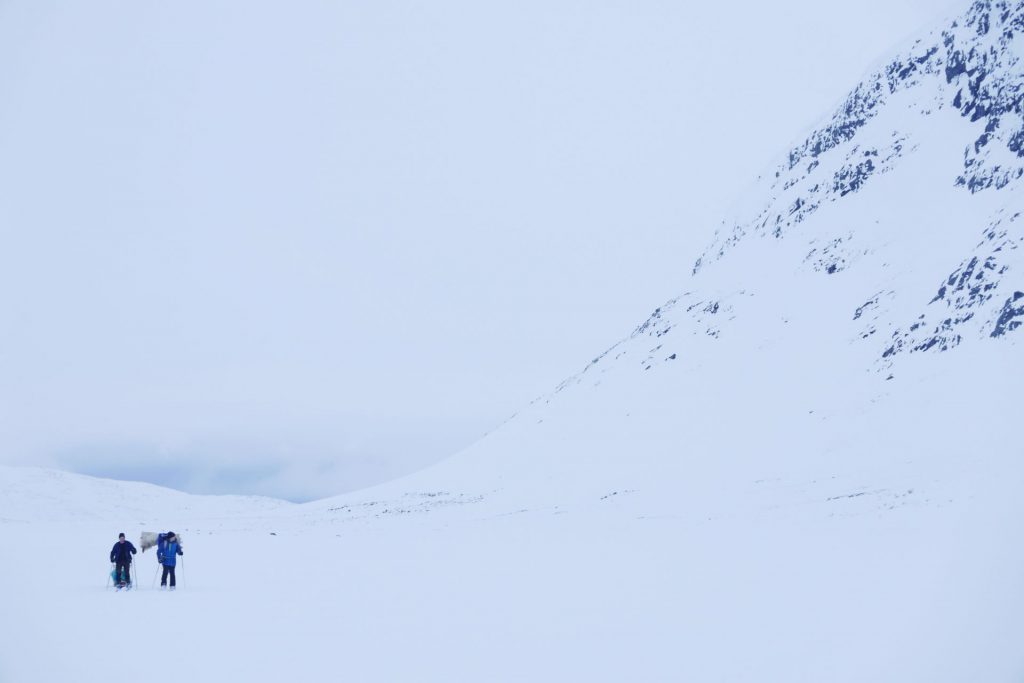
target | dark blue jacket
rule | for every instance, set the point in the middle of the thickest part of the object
(167, 555)
(122, 552)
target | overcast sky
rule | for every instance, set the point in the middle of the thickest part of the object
(296, 248)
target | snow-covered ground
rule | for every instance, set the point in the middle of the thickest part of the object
(902, 576)
(900, 565)
(806, 467)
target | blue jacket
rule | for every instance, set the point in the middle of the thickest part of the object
(167, 554)
(122, 552)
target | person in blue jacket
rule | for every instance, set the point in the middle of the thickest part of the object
(167, 553)
(121, 556)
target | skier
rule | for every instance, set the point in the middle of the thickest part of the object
(121, 556)
(166, 554)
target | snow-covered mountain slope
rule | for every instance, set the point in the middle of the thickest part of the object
(805, 467)
(44, 495)
(823, 427)
(868, 295)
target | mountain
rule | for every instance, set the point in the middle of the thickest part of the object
(804, 467)
(38, 495)
(877, 269)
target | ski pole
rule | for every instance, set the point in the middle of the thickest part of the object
(182, 571)
(109, 572)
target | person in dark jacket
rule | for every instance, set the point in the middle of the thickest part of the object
(167, 554)
(121, 556)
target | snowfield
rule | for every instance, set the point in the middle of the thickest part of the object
(805, 467)
(896, 576)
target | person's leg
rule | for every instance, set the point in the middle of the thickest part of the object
(119, 571)
(163, 577)
(172, 576)
(128, 573)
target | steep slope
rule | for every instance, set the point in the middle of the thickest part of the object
(867, 296)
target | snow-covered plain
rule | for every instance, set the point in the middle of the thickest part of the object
(806, 467)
